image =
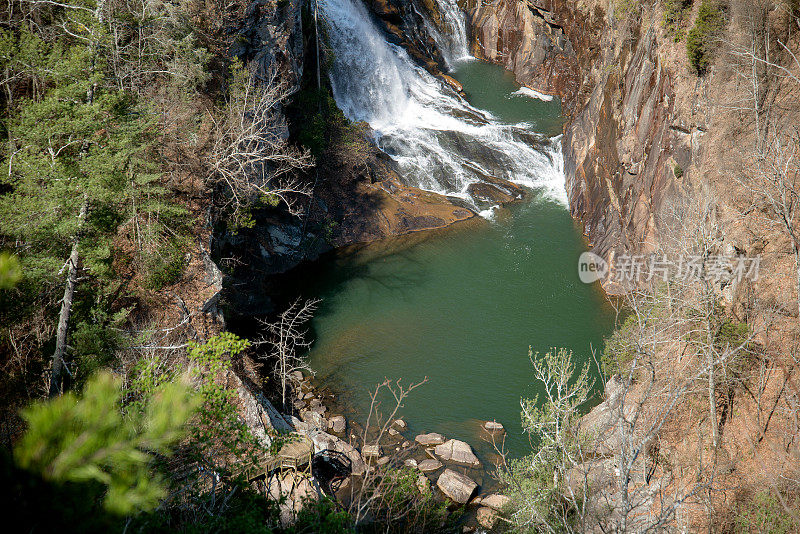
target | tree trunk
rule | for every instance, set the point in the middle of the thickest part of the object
(712, 401)
(57, 367)
(316, 37)
(797, 269)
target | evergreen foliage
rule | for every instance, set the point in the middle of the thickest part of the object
(701, 39)
(87, 438)
(675, 12)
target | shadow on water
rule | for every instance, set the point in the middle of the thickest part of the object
(462, 309)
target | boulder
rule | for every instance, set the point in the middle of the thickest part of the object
(299, 426)
(337, 423)
(323, 441)
(452, 82)
(486, 517)
(429, 465)
(410, 462)
(399, 423)
(303, 491)
(297, 376)
(393, 432)
(484, 193)
(314, 419)
(457, 451)
(371, 451)
(429, 439)
(383, 460)
(493, 426)
(495, 501)
(459, 488)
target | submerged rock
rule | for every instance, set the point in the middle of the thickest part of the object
(493, 426)
(429, 439)
(457, 451)
(429, 465)
(459, 488)
(369, 451)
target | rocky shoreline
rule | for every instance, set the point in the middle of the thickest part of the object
(447, 466)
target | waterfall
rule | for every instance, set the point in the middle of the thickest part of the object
(453, 42)
(438, 140)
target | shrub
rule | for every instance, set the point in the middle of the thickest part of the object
(535, 483)
(674, 15)
(620, 348)
(700, 40)
(678, 170)
(165, 267)
(401, 503)
(764, 513)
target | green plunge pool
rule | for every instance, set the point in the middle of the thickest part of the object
(461, 306)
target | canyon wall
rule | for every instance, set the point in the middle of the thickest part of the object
(630, 139)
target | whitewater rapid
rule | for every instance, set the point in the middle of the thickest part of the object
(438, 140)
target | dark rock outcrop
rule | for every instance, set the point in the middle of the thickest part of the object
(404, 25)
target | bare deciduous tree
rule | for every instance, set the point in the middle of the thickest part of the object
(373, 494)
(769, 67)
(286, 337)
(251, 155)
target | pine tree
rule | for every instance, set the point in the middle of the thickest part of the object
(88, 438)
(80, 164)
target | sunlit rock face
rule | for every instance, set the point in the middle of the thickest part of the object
(624, 135)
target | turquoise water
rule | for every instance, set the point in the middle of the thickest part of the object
(461, 306)
(491, 87)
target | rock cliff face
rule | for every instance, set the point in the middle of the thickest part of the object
(528, 40)
(405, 26)
(626, 131)
(621, 147)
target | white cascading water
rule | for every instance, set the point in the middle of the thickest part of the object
(439, 141)
(453, 43)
